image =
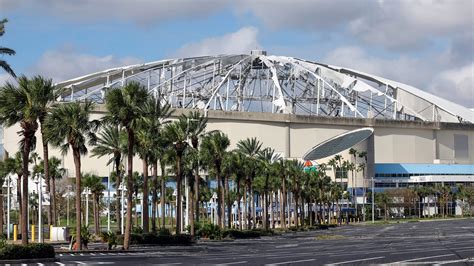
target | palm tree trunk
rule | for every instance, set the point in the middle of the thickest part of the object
(283, 204)
(154, 195)
(145, 215)
(128, 222)
(196, 197)
(163, 194)
(118, 214)
(53, 200)
(296, 210)
(229, 205)
(239, 215)
(178, 194)
(250, 204)
(252, 207)
(95, 206)
(220, 209)
(50, 209)
(77, 164)
(24, 200)
(245, 210)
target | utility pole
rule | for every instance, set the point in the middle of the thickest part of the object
(373, 200)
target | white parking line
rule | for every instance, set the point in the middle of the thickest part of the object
(288, 262)
(231, 263)
(351, 261)
(59, 263)
(80, 262)
(423, 258)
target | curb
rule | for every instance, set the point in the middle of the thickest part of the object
(22, 261)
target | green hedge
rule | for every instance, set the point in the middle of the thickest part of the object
(30, 251)
(245, 234)
(154, 239)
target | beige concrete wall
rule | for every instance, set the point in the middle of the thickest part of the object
(395, 141)
(446, 145)
(404, 145)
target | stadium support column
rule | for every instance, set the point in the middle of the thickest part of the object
(370, 156)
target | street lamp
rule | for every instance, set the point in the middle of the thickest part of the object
(87, 191)
(214, 206)
(68, 193)
(123, 188)
(8, 186)
(40, 203)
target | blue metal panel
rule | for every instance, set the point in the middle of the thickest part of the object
(407, 168)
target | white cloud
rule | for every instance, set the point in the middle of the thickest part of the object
(456, 84)
(240, 42)
(67, 63)
(137, 11)
(4, 77)
(427, 73)
(398, 24)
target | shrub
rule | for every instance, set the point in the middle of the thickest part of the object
(155, 239)
(208, 230)
(86, 236)
(30, 251)
(110, 238)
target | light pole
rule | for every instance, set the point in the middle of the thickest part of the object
(373, 200)
(123, 189)
(68, 187)
(40, 226)
(214, 206)
(87, 191)
(8, 206)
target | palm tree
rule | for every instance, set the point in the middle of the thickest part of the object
(124, 108)
(155, 114)
(213, 152)
(267, 158)
(176, 133)
(196, 124)
(15, 166)
(296, 169)
(239, 166)
(19, 105)
(94, 183)
(250, 147)
(4, 172)
(5, 51)
(69, 127)
(47, 94)
(112, 142)
(282, 170)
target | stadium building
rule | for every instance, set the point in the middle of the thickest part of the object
(292, 105)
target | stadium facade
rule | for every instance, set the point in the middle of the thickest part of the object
(291, 105)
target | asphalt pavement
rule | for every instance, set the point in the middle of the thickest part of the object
(435, 242)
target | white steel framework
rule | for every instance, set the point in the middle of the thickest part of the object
(258, 82)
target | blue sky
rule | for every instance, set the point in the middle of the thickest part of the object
(428, 44)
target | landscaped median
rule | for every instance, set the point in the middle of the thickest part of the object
(33, 251)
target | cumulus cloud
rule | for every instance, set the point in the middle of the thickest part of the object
(399, 24)
(241, 41)
(456, 84)
(138, 11)
(67, 63)
(427, 73)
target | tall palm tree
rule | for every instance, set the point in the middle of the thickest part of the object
(177, 134)
(155, 115)
(5, 51)
(94, 183)
(267, 159)
(250, 147)
(4, 172)
(112, 142)
(19, 105)
(296, 169)
(69, 127)
(239, 164)
(47, 94)
(213, 151)
(196, 125)
(283, 170)
(124, 108)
